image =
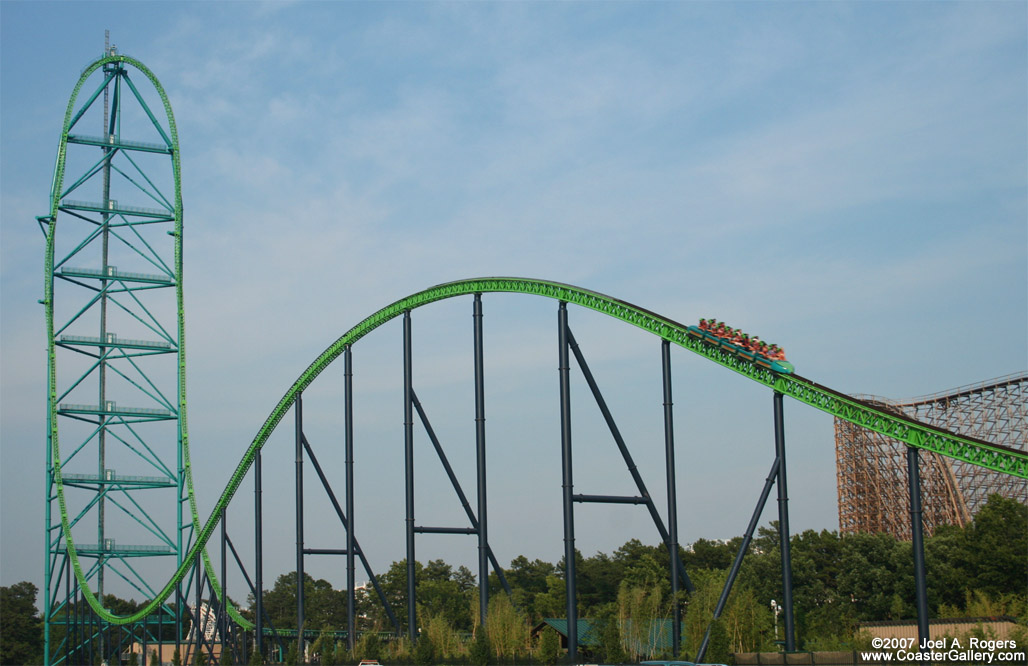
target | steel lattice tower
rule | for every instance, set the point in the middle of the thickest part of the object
(871, 468)
(117, 461)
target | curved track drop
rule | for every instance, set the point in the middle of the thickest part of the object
(871, 416)
(115, 346)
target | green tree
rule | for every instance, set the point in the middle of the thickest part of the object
(323, 605)
(998, 540)
(399, 651)
(639, 609)
(706, 554)
(610, 642)
(444, 637)
(21, 628)
(700, 610)
(424, 651)
(552, 602)
(598, 579)
(133, 659)
(748, 623)
(328, 651)
(718, 648)
(154, 659)
(481, 652)
(528, 579)
(445, 591)
(946, 554)
(315, 648)
(255, 658)
(293, 654)
(507, 628)
(549, 647)
(440, 589)
(176, 658)
(369, 646)
(871, 574)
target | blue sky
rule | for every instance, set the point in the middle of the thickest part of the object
(847, 179)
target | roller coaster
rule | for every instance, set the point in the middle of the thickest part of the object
(117, 263)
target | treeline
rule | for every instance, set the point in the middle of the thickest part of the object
(839, 581)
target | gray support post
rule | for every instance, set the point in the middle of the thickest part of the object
(783, 525)
(258, 527)
(223, 610)
(672, 497)
(350, 574)
(567, 483)
(483, 540)
(917, 536)
(408, 440)
(180, 598)
(299, 527)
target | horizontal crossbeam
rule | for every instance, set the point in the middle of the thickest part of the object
(610, 499)
(445, 530)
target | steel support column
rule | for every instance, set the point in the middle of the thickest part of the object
(672, 497)
(917, 536)
(348, 435)
(783, 524)
(567, 482)
(408, 457)
(223, 610)
(258, 526)
(483, 540)
(299, 528)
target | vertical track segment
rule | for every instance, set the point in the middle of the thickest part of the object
(116, 383)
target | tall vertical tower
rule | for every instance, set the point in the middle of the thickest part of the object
(117, 463)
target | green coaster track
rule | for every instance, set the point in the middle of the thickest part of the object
(998, 458)
(121, 223)
(874, 417)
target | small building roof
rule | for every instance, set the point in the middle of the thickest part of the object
(589, 631)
